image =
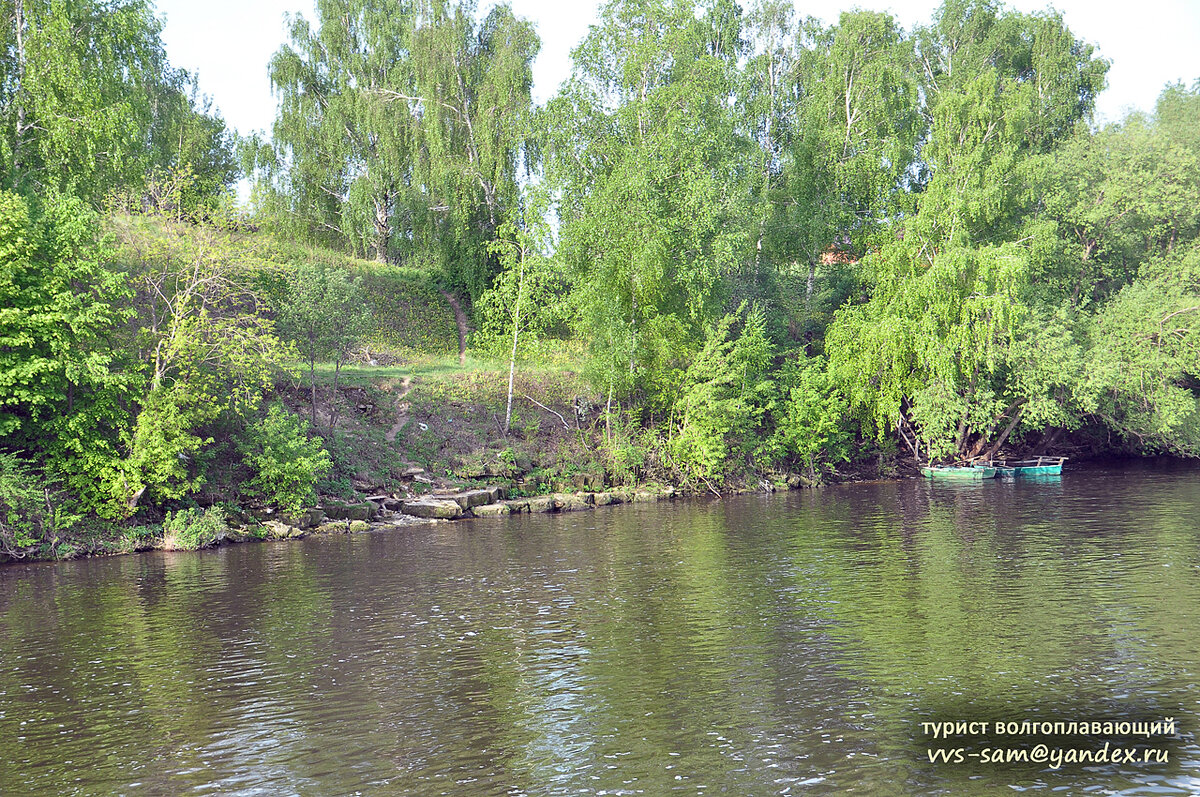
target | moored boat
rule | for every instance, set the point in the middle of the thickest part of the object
(1041, 466)
(959, 473)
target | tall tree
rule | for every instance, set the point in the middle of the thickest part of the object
(89, 104)
(344, 124)
(998, 87)
(326, 315)
(473, 131)
(641, 141)
(401, 129)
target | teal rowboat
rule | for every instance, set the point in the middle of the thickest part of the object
(1042, 466)
(958, 473)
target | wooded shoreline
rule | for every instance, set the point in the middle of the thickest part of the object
(735, 246)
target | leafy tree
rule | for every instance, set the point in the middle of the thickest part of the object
(61, 306)
(639, 144)
(191, 529)
(32, 511)
(998, 87)
(527, 297)
(90, 105)
(926, 356)
(812, 426)
(401, 127)
(343, 129)
(326, 315)
(474, 83)
(850, 156)
(206, 356)
(724, 396)
(285, 461)
(1112, 200)
(1032, 57)
(1144, 358)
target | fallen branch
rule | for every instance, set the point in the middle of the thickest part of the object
(1169, 316)
(566, 425)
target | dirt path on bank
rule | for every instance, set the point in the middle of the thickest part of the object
(460, 318)
(401, 410)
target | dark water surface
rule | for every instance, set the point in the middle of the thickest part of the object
(760, 645)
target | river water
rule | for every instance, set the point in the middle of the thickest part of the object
(760, 645)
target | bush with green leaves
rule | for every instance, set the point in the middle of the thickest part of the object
(286, 462)
(726, 393)
(620, 451)
(326, 314)
(814, 425)
(191, 529)
(23, 508)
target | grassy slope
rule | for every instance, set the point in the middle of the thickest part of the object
(411, 316)
(405, 399)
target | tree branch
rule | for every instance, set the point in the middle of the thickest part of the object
(547, 409)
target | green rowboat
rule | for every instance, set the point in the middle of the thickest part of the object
(1042, 466)
(958, 473)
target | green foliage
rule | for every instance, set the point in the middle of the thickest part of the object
(813, 427)
(165, 443)
(623, 451)
(1144, 361)
(639, 143)
(528, 300)
(192, 529)
(64, 388)
(401, 126)
(1115, 199)
(725, 394)
(326, 315)
(59, 304)
(32, 509)
(286, 462)
(205, 359)
(117, 389)
(931, 344)
(91, 106)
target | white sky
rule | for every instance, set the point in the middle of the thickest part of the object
(229, 42)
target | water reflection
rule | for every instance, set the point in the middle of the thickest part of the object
(763, 645)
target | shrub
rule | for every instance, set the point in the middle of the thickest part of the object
(190, 529)
(285, 461)
(814, 426)
(726, 392)
(32, 511)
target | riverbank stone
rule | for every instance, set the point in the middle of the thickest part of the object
(492, 510)
(542, 503)
(433, 508)
(569, 502)
(472, 498)
(307, 519)
(337, 511)
(277, 530)
(232, 534)
(588, 481)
